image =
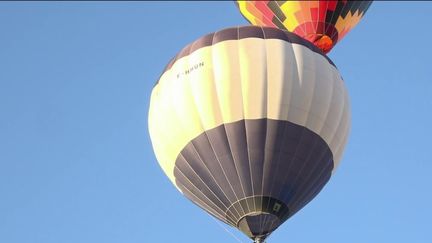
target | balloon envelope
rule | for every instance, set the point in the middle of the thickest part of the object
(249, 124)
(324, 23)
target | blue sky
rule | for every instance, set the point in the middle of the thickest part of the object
(76, 163)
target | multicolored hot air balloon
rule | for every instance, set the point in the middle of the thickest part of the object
(323, 23)
(249, 123)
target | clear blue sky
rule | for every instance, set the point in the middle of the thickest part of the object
(76, 163)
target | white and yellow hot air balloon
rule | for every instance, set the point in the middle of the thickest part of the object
(249, 123)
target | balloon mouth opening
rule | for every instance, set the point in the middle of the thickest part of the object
(322, 41)
(258, 225)
(257, 216)
(323, 36)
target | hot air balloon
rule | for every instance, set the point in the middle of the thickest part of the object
(324, 23)
(249, 123)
